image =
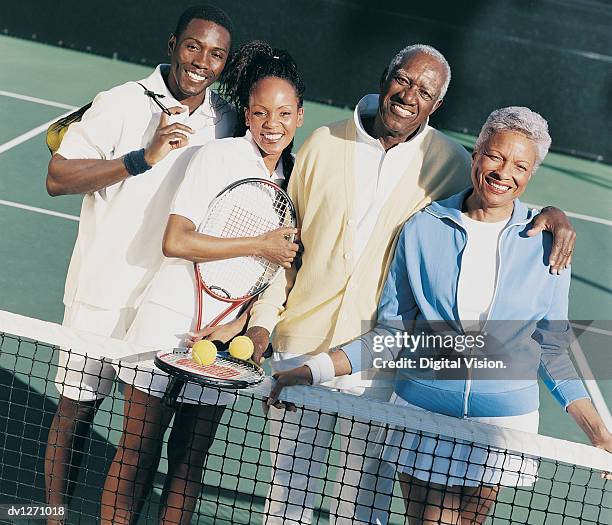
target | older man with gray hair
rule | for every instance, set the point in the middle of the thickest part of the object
(354, 185)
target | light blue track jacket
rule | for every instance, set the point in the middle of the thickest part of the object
(527, 317)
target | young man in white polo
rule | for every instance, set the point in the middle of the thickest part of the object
(128, 155)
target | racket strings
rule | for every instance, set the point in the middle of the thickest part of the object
(244, 223)
(223, 369)
(249, 209)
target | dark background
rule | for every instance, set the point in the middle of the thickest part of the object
(553, 56)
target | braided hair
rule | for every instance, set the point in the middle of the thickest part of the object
(252, 62)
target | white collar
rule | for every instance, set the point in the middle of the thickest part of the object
(156, 83)
(368, 107)
(278, 171)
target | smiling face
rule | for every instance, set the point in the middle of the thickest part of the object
(273, 116)
(502, 169)
(198, 56)
(408, 96)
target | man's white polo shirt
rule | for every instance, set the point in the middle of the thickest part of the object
(118, 248)
(377, 172)
(214, 167)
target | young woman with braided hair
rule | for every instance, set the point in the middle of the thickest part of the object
(260, 69)
(254, 62)
(267, 91)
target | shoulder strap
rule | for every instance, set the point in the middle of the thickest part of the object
(155, 98)
(57, 130)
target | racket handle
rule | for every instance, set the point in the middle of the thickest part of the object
(172, 392)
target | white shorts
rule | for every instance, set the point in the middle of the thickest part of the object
(455, 462)
(88, 379)
(160, 327)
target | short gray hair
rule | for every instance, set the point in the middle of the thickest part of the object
(427, 50)
(521, 120)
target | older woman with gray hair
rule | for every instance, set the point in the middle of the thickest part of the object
(467, 262)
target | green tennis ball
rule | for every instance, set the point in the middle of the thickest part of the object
(204, 352)
(241, 347)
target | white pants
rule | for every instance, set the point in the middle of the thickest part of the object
(299, 444)
(88, 379)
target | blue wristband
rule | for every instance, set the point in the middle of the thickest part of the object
(135, 162)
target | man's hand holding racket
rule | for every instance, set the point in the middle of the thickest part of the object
(261, 339)
(168, 136)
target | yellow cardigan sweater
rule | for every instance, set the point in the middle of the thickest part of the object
(331, 298)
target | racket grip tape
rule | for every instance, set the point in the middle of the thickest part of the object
(172, 392)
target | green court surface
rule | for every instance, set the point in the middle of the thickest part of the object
(39, 83)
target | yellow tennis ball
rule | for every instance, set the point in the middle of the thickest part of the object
(204, 352)
(241, 347)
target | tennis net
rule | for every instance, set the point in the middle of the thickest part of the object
(329, 448)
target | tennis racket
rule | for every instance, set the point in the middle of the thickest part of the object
(247, 208)
(225, 372)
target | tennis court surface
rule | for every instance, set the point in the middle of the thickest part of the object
(38, 235)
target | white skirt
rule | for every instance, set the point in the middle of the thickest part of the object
(163, 328)
(451, 462)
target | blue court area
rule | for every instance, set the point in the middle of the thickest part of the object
(41, 83)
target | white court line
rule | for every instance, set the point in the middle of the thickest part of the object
(591, 384)
(586, 328)
(29, 134)
(580, 216)
(585, 369)
(589, 218)
(43, 101)
(39, 210)
(569, 214)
